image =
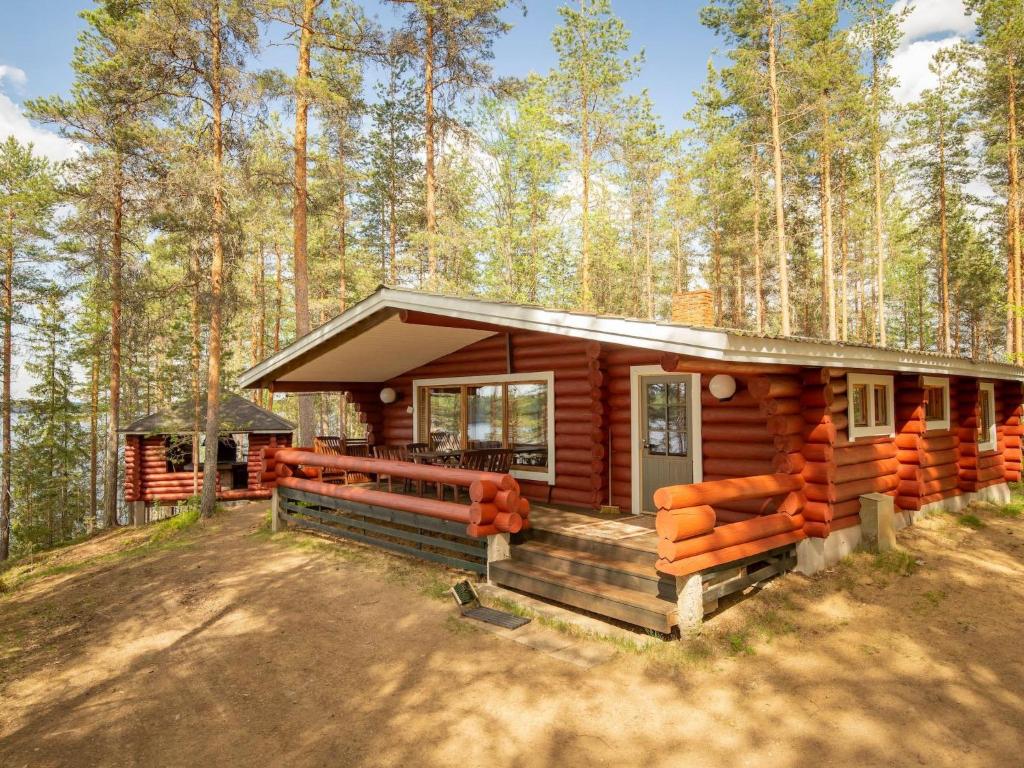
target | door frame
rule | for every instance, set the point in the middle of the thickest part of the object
(636, 375)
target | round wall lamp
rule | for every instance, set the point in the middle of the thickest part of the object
(722, 386)
(388, 395)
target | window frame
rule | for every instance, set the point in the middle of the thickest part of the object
(936, 382)
(987, 389)
(543, 377)
(870, 380)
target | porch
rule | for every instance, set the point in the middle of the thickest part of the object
(601, 564)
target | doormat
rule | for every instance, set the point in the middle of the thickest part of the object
(468, 600)
(611, 529)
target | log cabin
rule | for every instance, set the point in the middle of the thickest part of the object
(659, 465)
(158, 461)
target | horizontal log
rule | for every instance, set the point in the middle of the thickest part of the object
(781, 406)
(735, 433)
(728, 535)
(789, 463)
(697, 494)
(763, 387)
(790, 424)
(482, 513)
(856, 454)
(817, 530)
(869, 469)
(679, 524)
(678, 364)
(738, 467)
(733, 416)
(718, 449)
(742, 399)
(716, 557)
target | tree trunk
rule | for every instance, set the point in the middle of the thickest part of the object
(110, 467)
(755, 172)
(586, 299)
(844, 257)
(944, 340)
(209, 501)
(780, 216)
(300, 267)
(828, 288)
(94, 435)
(879, 235)
(259, 348)
(1014, 206)
(430, 180)
(197, 363)
(8, 353)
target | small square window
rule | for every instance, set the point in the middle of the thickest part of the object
(987, 436)
(936, 402)
(870, 405)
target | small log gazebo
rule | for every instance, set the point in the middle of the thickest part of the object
(158, 463)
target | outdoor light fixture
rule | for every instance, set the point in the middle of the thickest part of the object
(721, 386)
(388, 395)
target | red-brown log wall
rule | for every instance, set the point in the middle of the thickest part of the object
(581, 472)
(1009, 397)
(929, 458)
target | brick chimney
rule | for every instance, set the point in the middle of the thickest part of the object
(694, 308)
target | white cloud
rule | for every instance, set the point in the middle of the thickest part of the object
(910, 65)
(13, 75)
(14, 123)
(934, 17)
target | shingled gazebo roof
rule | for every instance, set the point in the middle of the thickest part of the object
(236, 415)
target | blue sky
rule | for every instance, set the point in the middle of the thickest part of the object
(38, 36)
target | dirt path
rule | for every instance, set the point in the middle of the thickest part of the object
(238, 649)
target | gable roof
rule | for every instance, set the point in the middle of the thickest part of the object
(236, 415)
(369, 342)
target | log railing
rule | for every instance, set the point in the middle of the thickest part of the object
(495, 505)
(690, 542)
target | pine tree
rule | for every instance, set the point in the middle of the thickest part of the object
(591, 44)
(27, 199)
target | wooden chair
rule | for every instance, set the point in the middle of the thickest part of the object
(331, 445)
(500, 460)
(478, 460)
(391, 453)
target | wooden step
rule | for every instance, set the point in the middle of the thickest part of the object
(641, 577)
(607, 550)
(626, 605)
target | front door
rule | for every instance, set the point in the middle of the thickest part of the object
(666, 449)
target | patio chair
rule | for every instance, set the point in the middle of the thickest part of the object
(391, 453)
(477, 460)
(500, 460)
(331, 445)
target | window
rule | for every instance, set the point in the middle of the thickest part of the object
(512, 411)
(936, 402)
(986, 417)
(870, 405)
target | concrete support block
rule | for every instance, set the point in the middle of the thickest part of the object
(499, 547)
(137, 512)
(878, 531)
(275, 506)
(813, 555)
(689, 602)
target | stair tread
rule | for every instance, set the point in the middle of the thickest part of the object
(642, 570)
(622, 595)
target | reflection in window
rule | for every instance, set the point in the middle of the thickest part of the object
(881, 404)
(666, 418)
(859, 399)
(489, 416)
(444, 415)
(935, 403)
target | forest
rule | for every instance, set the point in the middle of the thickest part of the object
(216, 209)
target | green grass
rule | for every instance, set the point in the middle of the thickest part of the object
(895, 562)
(174, 533)
(969, 520)
(1012, 510)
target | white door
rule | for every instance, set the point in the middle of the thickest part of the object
(665, 433)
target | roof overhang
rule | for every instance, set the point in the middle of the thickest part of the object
(370, 342)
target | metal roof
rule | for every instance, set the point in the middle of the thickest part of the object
(711, 343)
(236, 415)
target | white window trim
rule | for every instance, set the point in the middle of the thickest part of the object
(548, 377)
(872, 429)
(936, 382)
(636, 372)
(988, 389)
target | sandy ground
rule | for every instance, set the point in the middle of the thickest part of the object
(230, 647)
